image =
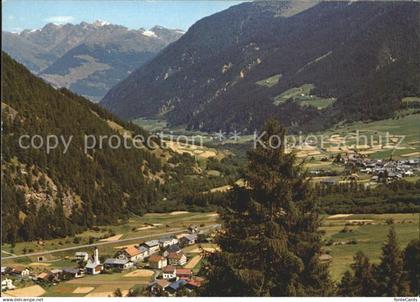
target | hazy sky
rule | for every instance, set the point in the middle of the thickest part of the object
(32, 14)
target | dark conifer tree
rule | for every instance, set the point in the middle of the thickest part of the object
(412, 265)
(361, 282)
(270, 243)
(390, 274)
(345, 287)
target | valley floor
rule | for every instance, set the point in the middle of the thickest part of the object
(344, 235)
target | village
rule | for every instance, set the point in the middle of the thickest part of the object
(359, 168)
(166, 261)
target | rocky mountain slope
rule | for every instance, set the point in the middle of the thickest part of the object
(307, 64)
(86, 58)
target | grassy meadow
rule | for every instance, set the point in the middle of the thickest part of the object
(346, 235)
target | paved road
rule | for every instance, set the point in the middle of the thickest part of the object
(103, 243)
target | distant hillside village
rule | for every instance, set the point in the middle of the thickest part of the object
(358, 167)
(163, 259)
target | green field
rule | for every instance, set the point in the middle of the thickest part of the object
(103, 283)
(270, 81)
(404, 129)
(411, 100)
(302, 95)
(150, 124)
(369, 237)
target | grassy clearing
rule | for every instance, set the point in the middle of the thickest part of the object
(411, 100)
(270, 81)
(369, 233)
(151, 124)
(67, 289)
(302, 95)
(317, 102)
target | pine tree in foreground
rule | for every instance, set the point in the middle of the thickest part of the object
(390, 274)
(412, 265)
(362, 282)
(270, 244)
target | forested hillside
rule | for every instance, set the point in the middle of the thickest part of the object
(56, 194)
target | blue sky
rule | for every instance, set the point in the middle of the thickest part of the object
(31, 14)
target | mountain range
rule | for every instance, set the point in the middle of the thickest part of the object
(307, 64)
(87, 58)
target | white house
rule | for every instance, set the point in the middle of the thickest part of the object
(81, 256)
(23, 272)
(7, 284)
(94, 266)
(152, 246)
(408, 173)
(118, 263)
(167, 241)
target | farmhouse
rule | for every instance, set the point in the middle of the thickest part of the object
(159, 285)
(183, 273)
(172, 249)
(188, 239)
(157, 261)
(177, 259)
(55, 275)
(169, 272)
(73, 272)
(22, 272)
(7, 284)
(81, 256)
(167, 241)
(42, 276)
(130, 253)
(152, 246)
(144, 252)
(122, 264)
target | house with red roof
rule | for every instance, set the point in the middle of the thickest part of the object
(177, 259)
(183, 273)
(157, 261)
(130, 253)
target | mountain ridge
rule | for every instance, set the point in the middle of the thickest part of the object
(208, 79)
(54, 51)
